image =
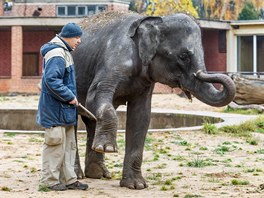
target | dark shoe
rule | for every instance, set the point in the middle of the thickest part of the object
(77, 186)
(58, 187)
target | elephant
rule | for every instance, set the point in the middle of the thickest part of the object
(121, 57)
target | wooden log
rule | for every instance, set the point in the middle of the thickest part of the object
(249, 90)
(259, 108)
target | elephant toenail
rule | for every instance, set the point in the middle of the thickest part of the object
(109, 148)
(99, 148)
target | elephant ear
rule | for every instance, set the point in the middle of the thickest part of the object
(147, 33)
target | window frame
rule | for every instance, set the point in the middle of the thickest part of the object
(36, 66)
(254, 52)
(98, 9)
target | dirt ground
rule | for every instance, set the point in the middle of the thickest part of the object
(176, 164)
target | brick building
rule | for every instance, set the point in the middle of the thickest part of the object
(30, 23)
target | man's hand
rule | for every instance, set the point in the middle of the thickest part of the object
(74, 102)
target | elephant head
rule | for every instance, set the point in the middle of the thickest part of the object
(171, 52)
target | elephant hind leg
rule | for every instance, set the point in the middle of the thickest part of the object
(95, 166)
(97, 170)
(106, 129)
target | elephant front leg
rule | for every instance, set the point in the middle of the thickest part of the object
(106, 129)
(132, 176)
(138, 118)
(94, 161)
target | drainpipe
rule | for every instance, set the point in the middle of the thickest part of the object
(1, 7)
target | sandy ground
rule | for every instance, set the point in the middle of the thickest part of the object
(176, 164)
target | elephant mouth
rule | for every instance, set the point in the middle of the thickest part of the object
(185, 91)
(188, 94)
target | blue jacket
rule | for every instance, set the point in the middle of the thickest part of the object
(58, 85)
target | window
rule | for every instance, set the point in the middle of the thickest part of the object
(260, 52)
(250, 51)
(71, 10)
(30, 64)
(222, 41)
(101, 8)
(91, 10)
(61, 11)
(245, 53)
(79, 10)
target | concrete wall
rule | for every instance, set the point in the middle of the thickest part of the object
(25, 119)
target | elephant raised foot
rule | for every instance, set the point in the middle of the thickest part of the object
(104, 144)
(133, 182)
(105, 139)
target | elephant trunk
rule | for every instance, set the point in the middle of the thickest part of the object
(207, 93)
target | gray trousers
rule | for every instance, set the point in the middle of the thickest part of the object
(58, 156)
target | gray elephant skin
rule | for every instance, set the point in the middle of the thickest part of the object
(121, 57)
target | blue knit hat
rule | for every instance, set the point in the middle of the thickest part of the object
(71, 30)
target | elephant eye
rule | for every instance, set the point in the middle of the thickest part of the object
(184, 56)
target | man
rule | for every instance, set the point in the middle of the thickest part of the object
(57, 110)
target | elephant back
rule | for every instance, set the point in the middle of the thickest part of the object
(94, 23)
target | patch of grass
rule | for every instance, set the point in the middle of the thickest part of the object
(43, 188)
(163, 188)
(199, 163)
(252, 170)
(121, 142)
(191, 196)
(242, 111)
(156, 178)
(252, 141)
(3, 98)
(222, 150)
(10, 134)
(116, 175)
(179, 158)
(156, 157)
(33, 170)
(227, 160)
(245, 129)
(33, 139)
(260, 151)
(209, 128)
(5, 188)
(184, 143)
(213, 180)
(163, 151)
(203, 148)
(236, 182)
(168, 182)
(149, 142)
(242, 130)
(161, 166)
